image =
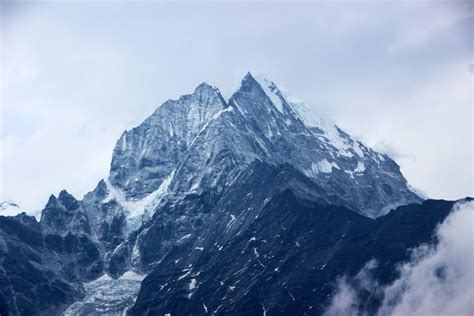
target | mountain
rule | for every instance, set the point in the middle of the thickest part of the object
(200, 144)
(284, 260)
(201, 141)
(215, 203)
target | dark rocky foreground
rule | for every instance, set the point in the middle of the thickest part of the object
(283, 258)
(286, 261)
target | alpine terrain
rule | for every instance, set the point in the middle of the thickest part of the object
(246, 206)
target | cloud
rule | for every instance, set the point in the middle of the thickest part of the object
(426, 128)
(391, 149)
(347, 300)
(438, 279)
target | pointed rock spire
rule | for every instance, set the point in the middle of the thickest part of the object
(68, 200)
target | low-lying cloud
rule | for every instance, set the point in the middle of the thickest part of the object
(438, 279)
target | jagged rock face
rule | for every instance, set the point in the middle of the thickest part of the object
(200, 142)
(366, 181)
(64, 215)
(32, 281)
(147, 154)
(67, 232)
(107, 217)
(207, 219)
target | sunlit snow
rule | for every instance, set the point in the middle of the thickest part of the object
(137, 208)
(107, 296)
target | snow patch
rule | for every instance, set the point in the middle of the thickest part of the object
(214, 117)
(192, 284)
(185, 275)
(9, 209)
(360, 167)
(322, 166)
(271, 90)
(137, 208)
(132, 275)
(184, 238)
(204, 306)
(350, 173)
(104, 277)
(418, 192)
(331, 133)
(356, 147)
(232, 220)
(256, 252)
(292, 297)
(107, 296)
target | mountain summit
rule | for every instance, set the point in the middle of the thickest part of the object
(204, 146)
(201, 142)
(204, 194)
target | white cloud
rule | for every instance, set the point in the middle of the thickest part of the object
(426, 128)
(73, 154)
(438, 279)
(346, 302)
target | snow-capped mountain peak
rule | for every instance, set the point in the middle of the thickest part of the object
(153, 147)
(201, 145)
(324, 128)
(272, 91)
(202, 172)
(204, 87)
(199, 135)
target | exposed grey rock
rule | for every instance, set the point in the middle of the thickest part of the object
(68, 234)
(202, 142)
(192, 180)
(32, 280)
(144, 156)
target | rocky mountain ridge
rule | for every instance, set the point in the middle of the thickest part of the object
(195, 177)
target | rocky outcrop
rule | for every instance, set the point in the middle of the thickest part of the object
(32, 280)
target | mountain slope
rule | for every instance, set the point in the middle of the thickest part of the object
(286, 261)
(206, 187)
(146, 155)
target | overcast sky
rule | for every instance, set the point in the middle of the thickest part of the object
(399, 77)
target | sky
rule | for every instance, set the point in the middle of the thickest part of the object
(74, 75)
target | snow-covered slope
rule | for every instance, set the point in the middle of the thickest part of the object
(9, 208)
(148, 154)
(201, 141)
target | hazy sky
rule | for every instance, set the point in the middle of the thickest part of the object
(74, 75)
